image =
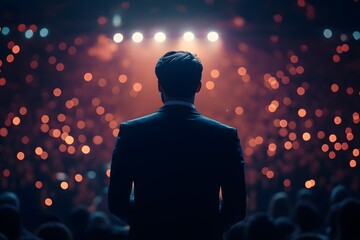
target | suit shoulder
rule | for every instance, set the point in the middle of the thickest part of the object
(214, 123)
(141, 120)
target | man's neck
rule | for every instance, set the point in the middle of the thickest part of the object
(178, 101)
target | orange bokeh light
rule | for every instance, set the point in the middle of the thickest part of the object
(64, 185)
(38, 184)
(78, 177)
(215, 73)
(287, 183)
(20, 156)
(38, 151)
(88, 76)
(57, 92)
(306, 136)
(210, 85)
(302, 112)
(15, 49)
(48, 202)
(10, 58)
(270, 174)
(137, 87)
(16, 121)
(85, 149)
(122, 78)
(352, 163)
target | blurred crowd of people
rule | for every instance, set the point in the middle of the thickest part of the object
(285, 219)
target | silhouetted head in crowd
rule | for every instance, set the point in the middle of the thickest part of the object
(306, 216)
(179, 75)
(285, 228)
(3, 237)
(349, 220)
(279, 205)
(310, 236)
(100, 232)
(98, 226)
(260, 226)
(51, 217)
(10, 224)
(10, 198)
(236, 231)
(304, 194)
(338, 194)
(118, 233)
(53, 231)
(98, 218)
(11, 203)
(331, 224)
(29, 238)
(79, 218)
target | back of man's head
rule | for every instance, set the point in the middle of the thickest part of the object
(179, 74)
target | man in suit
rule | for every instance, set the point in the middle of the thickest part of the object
(177, 160)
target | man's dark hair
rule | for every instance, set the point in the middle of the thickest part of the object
(179, 74)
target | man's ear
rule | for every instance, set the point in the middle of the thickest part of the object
(199, 87)
(160, 88)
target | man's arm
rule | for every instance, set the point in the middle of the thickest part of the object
(120, 179)
(233, 185)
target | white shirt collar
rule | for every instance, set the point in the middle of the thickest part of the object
(176, 102)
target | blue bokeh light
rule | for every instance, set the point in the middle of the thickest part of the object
(44, 32)
(116, 21)
(356, 35)
(5, 30)
(327, 33)
(29, 33)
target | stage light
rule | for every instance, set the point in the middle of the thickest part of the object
(137, 37)
(118, 38)
(213, 36)
(189, 36)
(160, 37)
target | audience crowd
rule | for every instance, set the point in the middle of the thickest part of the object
(285, 219)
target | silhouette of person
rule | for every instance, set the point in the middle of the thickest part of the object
(279, 205)
(349, 220)
(260, 226)
(177, 160)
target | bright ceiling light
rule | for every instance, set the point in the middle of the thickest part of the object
(137, 37)
(213, 36)
(189, 36)
(159, 37)
(118, 38)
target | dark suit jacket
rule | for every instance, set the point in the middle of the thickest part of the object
(177, 160)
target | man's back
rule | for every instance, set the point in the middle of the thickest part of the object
(178, 160)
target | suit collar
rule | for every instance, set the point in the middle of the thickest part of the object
(175, 108)
(177, 102)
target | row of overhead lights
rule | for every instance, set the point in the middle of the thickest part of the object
(137, 37)
(159, 37)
